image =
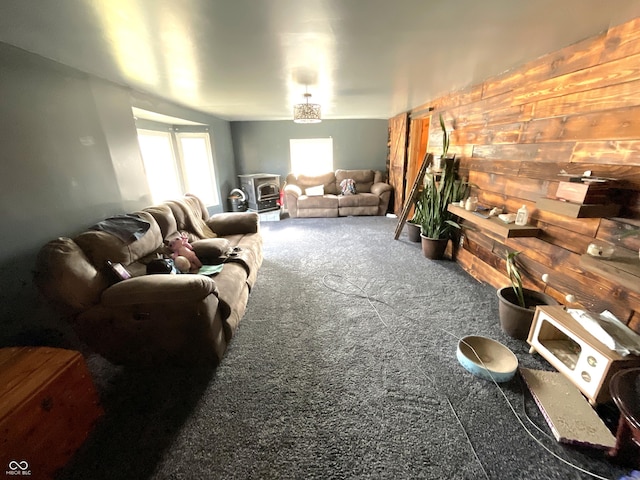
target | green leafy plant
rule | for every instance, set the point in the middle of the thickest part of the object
(431, 207)
(445, 138)
(515, 277)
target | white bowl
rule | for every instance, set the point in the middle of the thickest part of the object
(487, 358)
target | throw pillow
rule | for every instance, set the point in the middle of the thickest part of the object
(315, 191)
(348, 186)
(210, 249)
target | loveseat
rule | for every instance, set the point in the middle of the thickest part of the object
(153, 319)
(330, 195)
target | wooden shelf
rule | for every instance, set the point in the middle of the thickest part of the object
(623, 267)
(577, 210)
(495, 225)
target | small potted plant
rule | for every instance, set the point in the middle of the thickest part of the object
(518, 304)
(413, 226)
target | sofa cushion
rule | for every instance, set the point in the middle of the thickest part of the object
(327, 180)
(363, 178)
(357, 211)
(65, 275)
(101, 246)
(232, 223)
(326, 201)
(159, 289)
(209, 249)
(164, 218)
(359, 200)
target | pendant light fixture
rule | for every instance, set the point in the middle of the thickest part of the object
(306, 112)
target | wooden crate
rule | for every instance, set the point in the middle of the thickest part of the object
(578, 192)
(577, 210)
(48, 406)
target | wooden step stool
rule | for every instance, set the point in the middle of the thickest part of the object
(48, 406)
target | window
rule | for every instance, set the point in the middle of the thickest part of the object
(178, 163)
(160, 165)
(197, 166)
(311, 156)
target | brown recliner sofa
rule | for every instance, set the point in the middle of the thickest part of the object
(321, 196)
(152, 319)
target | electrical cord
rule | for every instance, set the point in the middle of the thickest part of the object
(370, 300)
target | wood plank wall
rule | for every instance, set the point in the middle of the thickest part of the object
(576, 109)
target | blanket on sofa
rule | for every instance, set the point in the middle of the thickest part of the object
(128, 227)
(186, 219)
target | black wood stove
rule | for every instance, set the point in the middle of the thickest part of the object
(262, 191)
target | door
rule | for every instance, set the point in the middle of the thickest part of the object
(397, 161)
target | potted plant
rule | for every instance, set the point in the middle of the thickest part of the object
(414, 225)
(518, 304)
(436, 222)
(413, 230)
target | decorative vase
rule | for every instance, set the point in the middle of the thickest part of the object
(471, 204)
(516, 321)
(413, 230)
(433, 248)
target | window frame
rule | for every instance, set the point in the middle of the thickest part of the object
(211, 170)
(174, 133)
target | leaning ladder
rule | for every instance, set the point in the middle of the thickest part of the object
(428, 158)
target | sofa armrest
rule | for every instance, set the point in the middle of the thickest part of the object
(380, 187)
(155, 289)
(291, 194)
(229, 223)
(294, 190)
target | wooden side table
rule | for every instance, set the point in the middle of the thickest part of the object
(48, 406)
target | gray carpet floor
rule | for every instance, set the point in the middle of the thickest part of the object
(344, 366)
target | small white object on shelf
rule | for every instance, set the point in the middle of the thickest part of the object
(598, 250)
(523, 216)
(471, 204)
(507, 217)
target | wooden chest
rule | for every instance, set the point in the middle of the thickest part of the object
(48, 406)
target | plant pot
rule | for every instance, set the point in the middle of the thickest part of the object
(516, 321)
(413, 230)
(433, 248)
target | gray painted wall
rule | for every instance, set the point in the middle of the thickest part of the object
(263, 147)
(70, 157)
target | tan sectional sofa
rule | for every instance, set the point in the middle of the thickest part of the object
(321, 196)
(153, 319)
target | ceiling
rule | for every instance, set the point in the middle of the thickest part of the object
(253, 59)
